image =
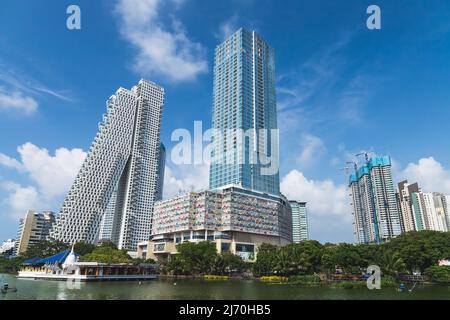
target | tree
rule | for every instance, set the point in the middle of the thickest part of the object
(194, 258)
(420, 249)
(345, 256)
(107, 252)
(305, 257)
(439, 274)
(45, 249)
(391, 263)
(82, 248)
(10, 265)
(266, 259)
(228, 263)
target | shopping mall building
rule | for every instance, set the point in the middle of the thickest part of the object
(237, 220)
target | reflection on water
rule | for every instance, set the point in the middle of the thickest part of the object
(198, 289)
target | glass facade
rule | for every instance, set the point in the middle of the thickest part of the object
(244, 115)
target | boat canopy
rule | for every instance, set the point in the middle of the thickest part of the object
(57, 258)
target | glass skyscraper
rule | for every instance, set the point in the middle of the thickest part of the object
(245, 140)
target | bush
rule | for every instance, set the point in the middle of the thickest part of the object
(274, 279)
(107, 253)
(11, 266)
(215, 277)
(439, 274)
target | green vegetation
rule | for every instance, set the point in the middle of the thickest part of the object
(413, 251)
(277, 279)
(304, 263)
(82, 248)
(306, 280)
(202, 258)
(215, 277)
(107, 252)
(10, 265)
(44, 249)
(439, 274)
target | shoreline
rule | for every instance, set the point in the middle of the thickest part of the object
(356, 284)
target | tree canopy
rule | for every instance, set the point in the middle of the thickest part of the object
(107, 252)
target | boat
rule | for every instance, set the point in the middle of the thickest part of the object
(6, 288)
(65, 266)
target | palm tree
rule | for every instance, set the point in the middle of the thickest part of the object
(392, 264)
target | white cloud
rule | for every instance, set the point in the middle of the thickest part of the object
(10, 162)
(429, 173)
(324, 197)
(51, 175)
(162, 52)
(22, 82)
(17, 101)
(227, 28)
(312, 148)
(328, 206)
(20, 199)
(190, 178)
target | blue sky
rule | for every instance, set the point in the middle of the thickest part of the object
(341, 88)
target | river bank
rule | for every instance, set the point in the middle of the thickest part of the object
(184, 289)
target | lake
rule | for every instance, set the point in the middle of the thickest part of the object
(200, 289)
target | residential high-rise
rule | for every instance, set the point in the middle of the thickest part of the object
(299, 221)
(417, 206)
(446, 200)
(161, 170)
(422, 211)
(373, 200)
(106, 226)
(410, 219)
(245, 141)
(435, 211)
(33, 228)
(119, 174)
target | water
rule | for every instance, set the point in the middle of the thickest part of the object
(199, 289)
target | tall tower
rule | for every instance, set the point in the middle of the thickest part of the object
(245, 115)
(299, 221)
(161, 171)
(119, 174)
(406, 198)
(374, 203)
(33, 228)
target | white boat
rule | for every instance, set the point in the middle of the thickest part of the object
(65, 267)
